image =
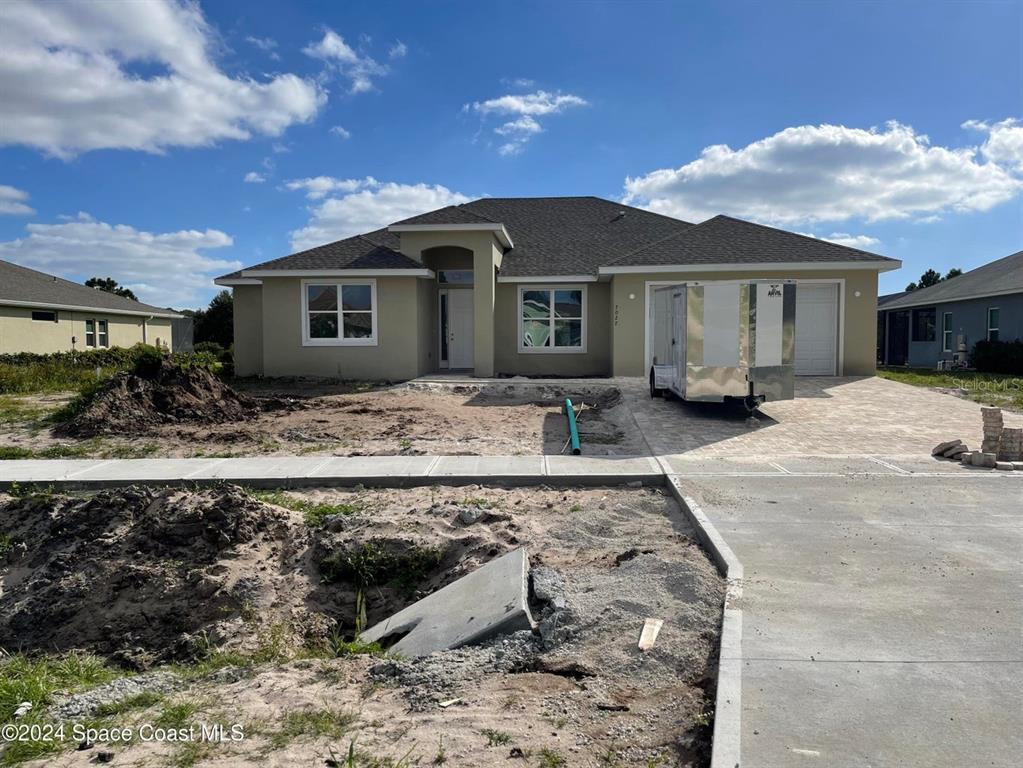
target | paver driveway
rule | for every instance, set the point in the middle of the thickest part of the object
(882, 617)
(828, 416)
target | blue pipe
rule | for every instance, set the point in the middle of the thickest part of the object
(573, 431)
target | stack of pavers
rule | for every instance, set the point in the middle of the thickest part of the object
(1001, 447)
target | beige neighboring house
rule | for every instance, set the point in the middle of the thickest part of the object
(42, 313)
(533, 286)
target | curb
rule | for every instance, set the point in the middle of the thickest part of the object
(728, 700)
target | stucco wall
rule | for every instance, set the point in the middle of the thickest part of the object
(20, 333)
(970, 318)
(859, 322)
(596, 361)
(395, 356)
(248, 330)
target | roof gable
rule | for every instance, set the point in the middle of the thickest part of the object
(998, 277)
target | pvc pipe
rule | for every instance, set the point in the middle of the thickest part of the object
(573, 431)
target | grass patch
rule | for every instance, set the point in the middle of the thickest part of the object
(368, 565)
(313, 723)
(13, 452)
(1002, 390)
(496, 738)
(36, 679)
(550, 758)
(15, 410)
(314, 512)
(92, 448)
(143, 700)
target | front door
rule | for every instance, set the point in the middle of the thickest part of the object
(457, 327)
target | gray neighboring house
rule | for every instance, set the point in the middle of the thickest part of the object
(922, 327)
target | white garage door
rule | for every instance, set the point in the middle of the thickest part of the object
(817, 329)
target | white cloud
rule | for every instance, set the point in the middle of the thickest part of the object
(133, 257)
(252, 177)
(265, 44)
(317, 187)
(371, 205)
(12, 202)
(341, 131)
(1004, 144)
(84, 76)
(524, 108)
(863, 242)
(813, 173)
(398, 50)
(360, 70)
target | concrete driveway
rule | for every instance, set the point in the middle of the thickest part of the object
(829, 416)
(883, 617)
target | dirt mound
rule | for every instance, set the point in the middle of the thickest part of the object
(132, 403)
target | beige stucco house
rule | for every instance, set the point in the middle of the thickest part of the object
(42, 313)
(532, 286)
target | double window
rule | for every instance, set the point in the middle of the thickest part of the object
(339, 312)
(923, 324)
(992, 323)
(96, 333)
(552, 318)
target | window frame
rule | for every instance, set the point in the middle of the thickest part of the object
(914, 324)
(54, 319)
(102, 334)
(946, 333)
(340, 341)
(552, 350)
(89, 333)
(987, 323)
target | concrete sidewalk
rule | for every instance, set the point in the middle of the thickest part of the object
(309, 471)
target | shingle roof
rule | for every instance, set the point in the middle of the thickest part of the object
(999, 277)
(578, 235)
(374, 250)
(725, 240)
(23, 286)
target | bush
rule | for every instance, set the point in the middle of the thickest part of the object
(998, 356)
(209, 346)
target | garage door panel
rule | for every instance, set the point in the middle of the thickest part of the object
(816, 329)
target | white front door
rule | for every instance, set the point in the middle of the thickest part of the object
(817, 329)
(459, 329)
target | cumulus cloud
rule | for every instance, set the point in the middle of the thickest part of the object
(398, 50)
(1004, 144)
(341, 131)
(819, 173)
(863, 242)
(84, 76)
(367, 205)
(358, 69)
(12, 202)
(133, 257)
(252, 177)
(523, 109)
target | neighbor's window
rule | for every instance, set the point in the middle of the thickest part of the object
(90, 333)
(552, 319)
(923, 324)
(946, 331)
(339, 313)
(103, 336)
(992, 323)
(455, 276)
(44, 316)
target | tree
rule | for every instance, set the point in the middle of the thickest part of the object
(216, 322)
(933, 277)
(110, 285)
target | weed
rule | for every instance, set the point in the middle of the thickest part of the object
(17, 410)
(355, 758)
(14, 452)
(142, 700)
(550, 758)
(315, 513)
(405, 443)
(477, 501)
(368, 565)
(442, 756)
(575, 508)
(176, 715)
(189, 753)
(342, 648)
(35, 680)
(705, 718)
(313, 723)
(6, 543)
(496, 738)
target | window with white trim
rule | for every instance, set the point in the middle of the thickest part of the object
(992, 323)
(339, 312)
(946, 331)
(96, 333)
(552, 318)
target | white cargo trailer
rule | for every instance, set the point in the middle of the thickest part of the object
(726, 339)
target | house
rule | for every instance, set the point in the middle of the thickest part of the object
(535, 287)
(42, 313)
(919, 328)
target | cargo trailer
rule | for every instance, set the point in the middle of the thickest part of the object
(723, 340)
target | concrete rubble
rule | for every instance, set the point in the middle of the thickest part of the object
(490, 601)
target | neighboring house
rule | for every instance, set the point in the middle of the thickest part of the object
(919, 328)
(42, 313)
(532, 286)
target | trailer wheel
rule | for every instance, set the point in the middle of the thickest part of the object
(654, 391)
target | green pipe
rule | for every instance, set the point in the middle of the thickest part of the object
(573, 431)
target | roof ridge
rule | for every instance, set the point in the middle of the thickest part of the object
(651, 244)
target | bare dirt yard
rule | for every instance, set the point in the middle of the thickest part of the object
(147, 609)
(287, 419)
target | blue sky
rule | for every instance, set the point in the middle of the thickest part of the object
(129, 130)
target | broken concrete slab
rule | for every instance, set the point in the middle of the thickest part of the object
(940, 448)
(490, 601)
